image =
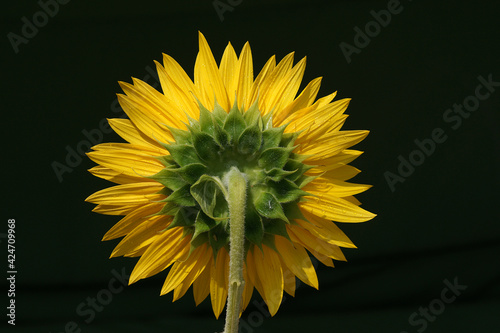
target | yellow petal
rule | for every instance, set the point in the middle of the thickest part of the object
(269, 88)
(128, 194)
(304, 237)
(208, 79)
(287, 90)
(140, 117)
(126, 129)
(321, 257)
(325, 230)
(245, 77)
(248, 291)
(325, 187)
(144, 150)
(336, 209)
(169, 247)
(352, 200)
(114, 176)
(182, 100)
(252, 270)
(154, 104)
(288, 279)
(297, 260)
(201, 286)
(199, 264)
(178, 75)
(229, 71)
(337, 161)
(132, 220)
(219, 281)
(268, 266)
(115, 210)
(344, 172)
(305, 99)
(127, 162)
(263, 76)
(320, 121)
(325, 100)
(141, 236)
(331, 144)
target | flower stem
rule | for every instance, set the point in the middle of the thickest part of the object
(236, 184)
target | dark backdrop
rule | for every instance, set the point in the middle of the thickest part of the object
(438, 227)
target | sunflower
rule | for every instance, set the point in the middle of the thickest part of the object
(181, 145)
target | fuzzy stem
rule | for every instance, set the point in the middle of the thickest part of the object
(236, 184)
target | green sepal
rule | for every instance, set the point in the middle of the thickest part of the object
(298, 157)
(221, 209)
(304, 180)
(199, 240)
(274, 158)
(220, 135)
(218, 237)
(293, 212)
(276, 227)
(183, 154)
(182, 197)
(180, 136)
(165, 191)
(268, 206)
(267, 120)
(277, 174)
(250, 140)
(254, 228)
(286, 190)
(272, 137)
(203, 224)
(252, 115)
(297, 167)
(234, 124)
(220, 114)
(169, 208)
(193, 122)
(206, 147)
(183, 218)
(288, 139)
(169, 178)
(167, 160)
(269, 241)
(209, 192)
(186, 231)
(192, 172)
(206, 120)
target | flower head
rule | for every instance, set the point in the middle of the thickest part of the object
(181, 144)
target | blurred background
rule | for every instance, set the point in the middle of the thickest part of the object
(424, 78)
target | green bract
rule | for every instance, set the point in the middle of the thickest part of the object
(194, 176)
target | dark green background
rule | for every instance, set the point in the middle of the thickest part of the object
(439, 224)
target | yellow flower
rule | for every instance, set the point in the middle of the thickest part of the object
(183, 141)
